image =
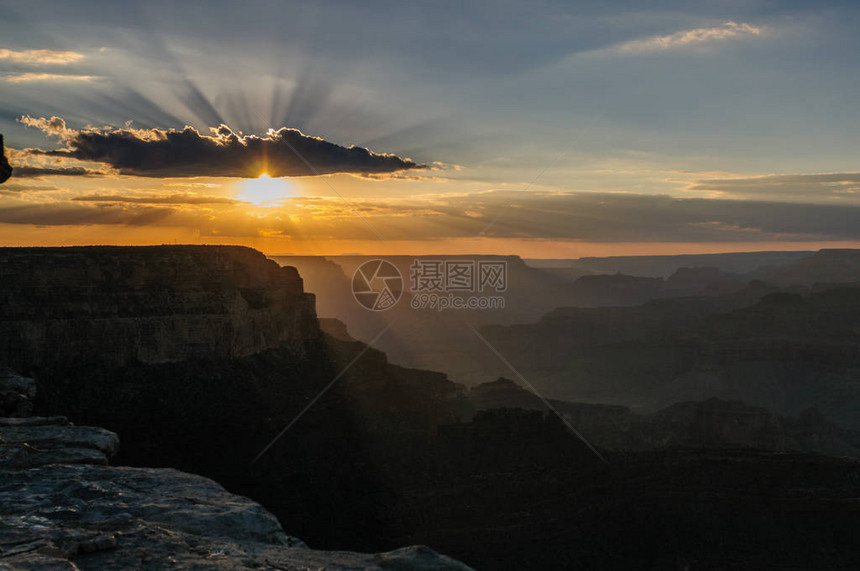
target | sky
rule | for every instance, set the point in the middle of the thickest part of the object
(539, 128)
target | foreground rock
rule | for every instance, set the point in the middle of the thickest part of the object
(29, 443)
(62, 507)
(98, 517)
(16, 394)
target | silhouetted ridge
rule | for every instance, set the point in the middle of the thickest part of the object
(119, 305)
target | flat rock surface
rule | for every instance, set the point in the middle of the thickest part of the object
(37, 443)
(99, 517)
(35, 421)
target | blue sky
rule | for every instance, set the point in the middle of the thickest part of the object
(728, 102)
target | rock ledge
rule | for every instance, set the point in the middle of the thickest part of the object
(63, 508)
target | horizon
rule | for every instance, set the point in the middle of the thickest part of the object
(614, 251)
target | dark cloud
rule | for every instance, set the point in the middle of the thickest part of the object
(188, 153)
(28, 172)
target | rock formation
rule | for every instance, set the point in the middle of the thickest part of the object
(63, 307)
(16, 394)
(710, 424)
(64, 508)
(540, 287)
(5, 168)
(782, 350)
(827, 266)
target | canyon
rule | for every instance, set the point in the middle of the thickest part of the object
(390, 456)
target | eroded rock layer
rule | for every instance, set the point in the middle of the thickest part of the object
(63, 307)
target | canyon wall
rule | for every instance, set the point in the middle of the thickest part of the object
(62, 307)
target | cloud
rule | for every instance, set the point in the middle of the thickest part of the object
(687, 38)
(40, 57)
(822, 186)
(224, 153)
(30, 163)
(171, 199)
(532, 215)
(12, 188)
(32, 77)
(29, 172)
(626, 217)
(58, 214)
(229, 223)
(54, 127)
(586, 217)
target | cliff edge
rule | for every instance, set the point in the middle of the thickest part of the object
(62, 307)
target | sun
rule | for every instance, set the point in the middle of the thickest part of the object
(264, 190)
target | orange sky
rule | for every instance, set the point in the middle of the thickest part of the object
(439, 211)
(105, 235)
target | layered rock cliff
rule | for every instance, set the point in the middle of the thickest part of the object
(62, 307)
